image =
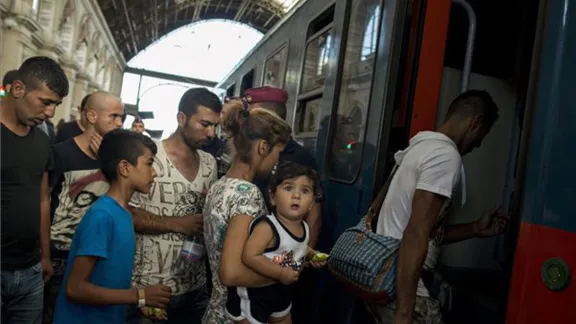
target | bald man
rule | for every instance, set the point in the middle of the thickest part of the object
(77, 182)
(73, 128)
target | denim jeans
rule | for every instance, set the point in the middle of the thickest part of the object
(185, 308)
(22, 295)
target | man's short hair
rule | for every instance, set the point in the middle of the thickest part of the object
(84, 102)
(474, 103)
(122, 144)
(41, 69)
(9, 77)
(196, 97)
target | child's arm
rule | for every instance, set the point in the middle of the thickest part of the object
(80, 290)
(253, 255)
(233, 272)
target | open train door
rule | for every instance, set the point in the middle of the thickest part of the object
(385, 88)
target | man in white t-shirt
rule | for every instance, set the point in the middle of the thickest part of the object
(418, 198)
(172, 212)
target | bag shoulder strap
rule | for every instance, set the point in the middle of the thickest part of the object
(379, 200)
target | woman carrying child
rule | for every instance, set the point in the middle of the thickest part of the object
(233, 202)
(277, 248)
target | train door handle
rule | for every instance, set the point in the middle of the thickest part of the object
(555, 274)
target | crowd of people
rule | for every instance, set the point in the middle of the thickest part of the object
(106, 225)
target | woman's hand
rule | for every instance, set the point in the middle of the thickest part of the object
(318, 264)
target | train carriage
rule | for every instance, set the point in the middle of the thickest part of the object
(365, 75)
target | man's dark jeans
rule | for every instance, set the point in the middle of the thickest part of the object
(22, 295)
(185, 308)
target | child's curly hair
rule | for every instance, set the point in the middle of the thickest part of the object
(289, 170)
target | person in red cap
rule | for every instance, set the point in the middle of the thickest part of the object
(274, 100)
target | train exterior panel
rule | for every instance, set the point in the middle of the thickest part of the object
(547, 237)
(363, 76)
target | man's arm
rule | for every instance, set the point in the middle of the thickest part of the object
(459, 232)
(45, 227)
(490, 224)
(314, 221)
(425, 209)
(80, 290)
(146, 222)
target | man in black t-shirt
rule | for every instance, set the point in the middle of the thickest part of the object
(77, 182)
(26, 159)
(73, 128)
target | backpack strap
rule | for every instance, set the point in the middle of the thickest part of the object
(374, 209)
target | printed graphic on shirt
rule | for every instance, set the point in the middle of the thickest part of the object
(228, 197)
(286, 259)
(79, 184)
(290, 250)
(157, 259)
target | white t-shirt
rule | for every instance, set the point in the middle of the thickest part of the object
(157, 259)
(432, 163)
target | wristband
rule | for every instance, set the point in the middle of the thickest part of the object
(141, 298)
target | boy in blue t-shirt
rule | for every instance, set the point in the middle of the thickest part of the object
(97, 285)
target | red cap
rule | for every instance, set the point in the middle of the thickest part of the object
(266, 94)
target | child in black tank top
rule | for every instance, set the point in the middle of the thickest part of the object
(277, 248)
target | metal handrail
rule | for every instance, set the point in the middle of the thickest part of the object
(469, 44)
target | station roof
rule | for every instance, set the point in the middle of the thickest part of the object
(135, 24)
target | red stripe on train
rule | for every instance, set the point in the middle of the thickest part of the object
(530, 301)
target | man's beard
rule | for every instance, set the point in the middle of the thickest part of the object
(192, 143)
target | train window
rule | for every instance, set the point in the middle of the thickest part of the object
(358, 69)
(308, 118)
(319, 50)
(231, 90)
(316, 60)
(247, 82)
(275, 68)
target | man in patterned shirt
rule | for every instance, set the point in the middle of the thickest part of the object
(171, 214)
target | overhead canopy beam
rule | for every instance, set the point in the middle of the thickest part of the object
(129, 22)
(171, 77)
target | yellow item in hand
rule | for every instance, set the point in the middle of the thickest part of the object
(156, 313)
(319, 257)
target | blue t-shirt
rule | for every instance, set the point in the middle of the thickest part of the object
(107, 232)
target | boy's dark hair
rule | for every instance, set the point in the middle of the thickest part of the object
(474, 103)
(196, 97)
(41, 69)
(290, 170)
(122, 144)
(9, 77)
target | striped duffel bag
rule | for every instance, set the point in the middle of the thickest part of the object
(365, 262)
